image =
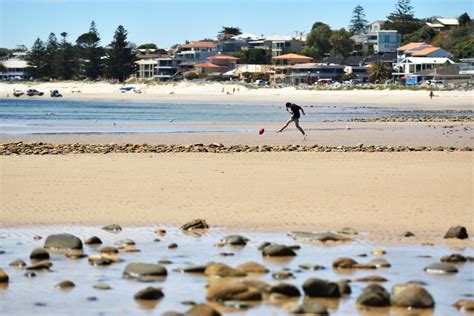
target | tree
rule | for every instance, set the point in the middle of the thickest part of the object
(402, 19)
(66, 59)
(379, 71)
(254, 56)
(228, 32)
(36, 59)
(358, 22)
(2, 67)
(120, 62)
(341, 43)
(91, 52)
(317, 42)
(51, 52)
(424, 34)
(147, 46)
(464, 19)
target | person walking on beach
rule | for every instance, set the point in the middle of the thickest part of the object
(431, 94)
(294, 110)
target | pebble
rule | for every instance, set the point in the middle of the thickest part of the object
(108, 250)
(30, 274)
(321, 288)
(459, 232)
(283, 275)
(222, 270)
(102, 286)
(39, 254)
(374, 295)
(41, 265)
(378, 252)
(372, 278)
(228, 291)
(94, 240)
(149, 293)
(172, 246)
(135, 270)
(344, 263)
(441, 268)
(275, 250)
(411, 295)
(235, 240)
(3, 277)
(195, 224)
(312, 267)
(252, 267)
(63, 242)
(18, 263)
(113, 228)
(202, 310)
(286, 289)
(465, 305)
(65, 285)
(407, 234)
(310, 308)
(454, 258)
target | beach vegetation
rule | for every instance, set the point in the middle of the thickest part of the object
(358, 22)
(256, 56)
(379, 72)
(341, 43)
(120, 58)
(191, 75)
(147, 46)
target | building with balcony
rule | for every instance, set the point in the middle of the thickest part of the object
(15, 68)
(196, 51)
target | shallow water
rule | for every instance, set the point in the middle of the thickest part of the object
(22, 115)
(38, 295)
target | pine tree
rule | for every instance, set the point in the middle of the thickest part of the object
(50, 63)
(402, 19)
(120, 63)
(36, 59)
(358, 22)
(66, 59)
(90, 52)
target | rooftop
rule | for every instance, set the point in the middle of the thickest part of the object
(222, 57)
(411, 45)
(292, 56)
(447, 21)
(207, 65)
(425, 51)
(200, 44)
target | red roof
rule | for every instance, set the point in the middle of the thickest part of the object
(292, 56)
(425, 51)
(222, 57)
(411, 45)
(207, 65)
(200, 45)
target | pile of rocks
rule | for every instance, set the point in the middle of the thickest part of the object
(460, 118)
(21, 148)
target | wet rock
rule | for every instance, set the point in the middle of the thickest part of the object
(65, 285)
(41, 265)
(283, 275)
(172, 313)
(102, 286)
(202, 310)
(263, 245)
(94, 240)
(252, 267)
(3, 277)
(374, 295)
(344, 263)
(372, 278)
(195, 224)
(411, 295)
(172, 246)
(323, 237)
(275, 250)
(225, 291)
(128, 248)
(407, 234)
(160, 231)
(285, 289)
(109, 250)
(37, 237)
(30, 274)
(379, 263)
(92, 298)
(312, 267)
(235, 240)
(75, 254)
(62, 242)
(226, 254)
(165, 261)
(222, 270)
(378, 252)
(344, 287)
(18, 263)
(125, 242)
(459, 232)
(441, 268)
(454, 258)
(310, 308)
(112, 228)
(99, 261)
(192, 269)
(321, 288)
(136, 270)
(149, 293)
(39, 254)
(348, 231)
(465, 305)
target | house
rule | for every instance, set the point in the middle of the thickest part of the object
(466, 66)
(209, 68)
(442, 23)
(278, 44)
(167, 68)
(283, 67)
(197, 51)
(382, 41)
(448, 73)
(421, 49)
(291, 59)
(16, 68)
(411, 66)
(308, 73)
(224, 60)
(375, 26)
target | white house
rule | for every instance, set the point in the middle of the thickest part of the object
(442, 23)
(15, 69)
(412, 65)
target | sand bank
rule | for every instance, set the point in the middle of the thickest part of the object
(236, 93)
(387, 192)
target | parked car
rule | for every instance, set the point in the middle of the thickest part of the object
(325, 81)
(55, 94)
(261, 83)
(18, 93)
(32, 92)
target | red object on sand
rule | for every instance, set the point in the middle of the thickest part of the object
(261, 131)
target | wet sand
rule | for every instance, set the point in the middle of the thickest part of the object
(384, 193)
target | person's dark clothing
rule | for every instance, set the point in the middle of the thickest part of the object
(296, 111)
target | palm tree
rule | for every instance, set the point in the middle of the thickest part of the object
(379, 71)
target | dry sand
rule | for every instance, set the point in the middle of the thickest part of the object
(423, 192)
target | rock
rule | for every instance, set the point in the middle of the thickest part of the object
(3, 277)
(172, 246)
(411, 295)
(102, 286)
(459, 232)
(125, 242)
(282, 275)
(252, 267)
(275, 250)
(321, 288)
(92, 298)
(285, 289)
(94, 240)
(225, 291)
(108, 250)
(344, 263)
(149, 293)
(310, 308)
(62, 242)
(323, 237)
(379, 263)
(129, 248)
(441, 268)
(192, 269)
(344, 287)
(37, 237)
(195, 224)
(39, 254)
(222, 270)
(378, 252)
(465, 305)
(374, 295)
(75, 254)
(112, 228)
(348, 231)
(30, 274)
(160, 231)
(18, 263)
(407, 234)
(202, 310)
(65, 285)
(99, 261)
(235, 240)
(372, 278)
(312, 267)
(41, 265)
(454, 258)
(165, 261)
(136, 270)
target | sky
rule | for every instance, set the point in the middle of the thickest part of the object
(167, 22)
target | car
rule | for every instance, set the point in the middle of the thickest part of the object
(55, 94)
(17, 93)
(325, 81)
(33, 92)
(261, 83)
(127, 89)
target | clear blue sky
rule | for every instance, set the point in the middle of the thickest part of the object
(166, 22)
